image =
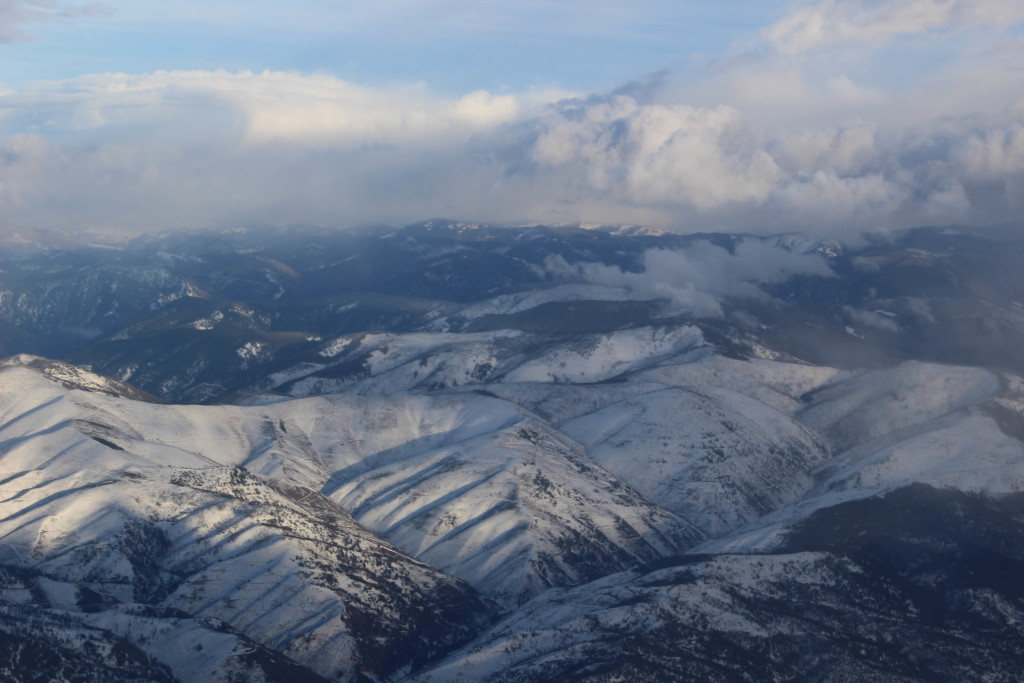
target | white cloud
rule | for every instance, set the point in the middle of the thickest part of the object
(195, 149)
(825, 196)
(695, 279)
(652, 154)
(15, 13)
(872, 319)
(846, 151)
(994, 154)
(824, 23)
(261, 107)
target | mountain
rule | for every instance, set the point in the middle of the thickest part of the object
(465, 452)
(201, 317)
(928, 590)
(108, 526)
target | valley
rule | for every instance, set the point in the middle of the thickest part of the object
(511, 454)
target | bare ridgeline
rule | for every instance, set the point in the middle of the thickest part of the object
(463, 452)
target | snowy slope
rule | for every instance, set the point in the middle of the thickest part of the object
(600, 357)
(382, 364)
(387, 364)
(168, 527)
(881, 403)
(471, 484)
(519, 302)
(513, 511)
(713, 456)
(287, 527)
(953, 427)
(839, 601)
(776, 384)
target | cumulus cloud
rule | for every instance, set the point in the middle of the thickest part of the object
(717, 165)
(197, 148)
(995, 153)
(823, 23)
(847, 151)
(15, 13)
(653, 154)
(695, 279)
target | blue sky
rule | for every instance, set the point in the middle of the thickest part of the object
(454, 46)
(826, 116)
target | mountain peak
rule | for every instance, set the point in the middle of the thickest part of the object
(75, 377)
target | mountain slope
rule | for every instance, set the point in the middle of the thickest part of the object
(167, 528)
(525, 454)
(928, 591)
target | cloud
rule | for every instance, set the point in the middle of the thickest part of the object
(196, 148)
(847, 151)
(695, 279)
(655, 154)
(716, 165)
(994, 154)
(15, 13)
(262, 107)
(878, 320)
(824, 23)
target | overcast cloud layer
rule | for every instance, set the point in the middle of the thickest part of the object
(803, 126)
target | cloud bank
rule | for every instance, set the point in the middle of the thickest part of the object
(793, 140)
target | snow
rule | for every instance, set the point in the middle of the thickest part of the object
(68, 501)
(393, 363)
(552, 477)
(251, 350)
(209, 322)
(777, 384)
(601, 357)
(971, 454)
(571, 626)
(873, 404)
(713, 456)
(499, 508)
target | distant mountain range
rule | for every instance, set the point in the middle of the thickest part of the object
(468, 452)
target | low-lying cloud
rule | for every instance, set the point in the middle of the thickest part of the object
(695, 280)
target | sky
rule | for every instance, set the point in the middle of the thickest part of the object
(829, 117)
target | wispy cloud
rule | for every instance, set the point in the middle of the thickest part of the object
(825, 23)
(14, 14)
(267, 107)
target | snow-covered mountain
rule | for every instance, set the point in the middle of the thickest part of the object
(153, 509)
(479, 470)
